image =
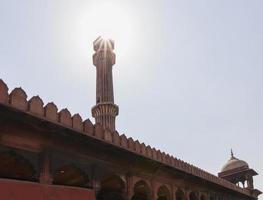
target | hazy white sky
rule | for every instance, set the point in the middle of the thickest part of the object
(188, 74)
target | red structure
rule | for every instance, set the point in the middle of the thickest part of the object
(49, 154)
(238, 172)
(105, 110)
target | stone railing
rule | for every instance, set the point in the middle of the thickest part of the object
(35, 106)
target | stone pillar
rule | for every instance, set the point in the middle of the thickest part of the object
(105, 111)
(187, 194)
(199, 194)
(129, 186)
(250, 184)
(45, 175)
(174, 189)
(154, 191)
(95, 183)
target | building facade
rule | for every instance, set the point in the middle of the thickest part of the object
(49, 154)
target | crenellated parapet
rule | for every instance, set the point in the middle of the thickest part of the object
(17, 99)
(35, 105)
(77, 122)
(3, 92)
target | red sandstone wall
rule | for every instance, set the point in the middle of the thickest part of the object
(19, 190)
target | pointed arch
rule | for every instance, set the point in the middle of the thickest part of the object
(112, 188)
(180, 195)
(70, 175)
(141, 191)
(193, 196)
(163, 193)
(16, 166)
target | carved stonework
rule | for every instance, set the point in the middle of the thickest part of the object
(3, 92)
(105, 110)
(18, 98)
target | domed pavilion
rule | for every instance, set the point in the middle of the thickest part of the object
(238, 172)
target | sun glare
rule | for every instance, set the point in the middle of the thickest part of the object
(109, 19)
(80, 26)
(113, 21)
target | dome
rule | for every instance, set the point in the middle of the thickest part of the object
(234, 163)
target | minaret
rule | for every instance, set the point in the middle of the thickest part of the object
(105, 110)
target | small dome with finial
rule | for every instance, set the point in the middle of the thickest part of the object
(234, 163)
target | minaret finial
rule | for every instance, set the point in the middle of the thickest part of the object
(232, 154)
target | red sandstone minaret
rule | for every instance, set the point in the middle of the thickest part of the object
(105, 110)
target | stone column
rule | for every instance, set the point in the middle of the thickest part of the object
(129, 186)
(187, 194)
(105, 111)
(250, 184)
(154, 195)
(45, 175)
(95, 183)
(174, 189)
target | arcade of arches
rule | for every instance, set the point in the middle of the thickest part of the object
(21, 166)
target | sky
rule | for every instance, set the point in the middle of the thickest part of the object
(187, 79)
